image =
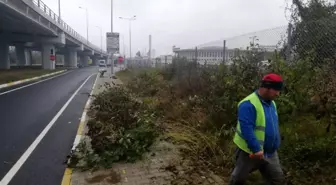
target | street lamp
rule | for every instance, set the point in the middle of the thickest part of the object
(87, 23)
(59, 11)
(130, 31)
(101, 38)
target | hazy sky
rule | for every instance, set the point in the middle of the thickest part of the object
(184, 23)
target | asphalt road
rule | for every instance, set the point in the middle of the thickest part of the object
(26, 112)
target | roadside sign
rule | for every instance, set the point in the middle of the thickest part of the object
(52, 57)
(120, 59)
(112, 42)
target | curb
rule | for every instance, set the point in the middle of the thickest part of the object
(80, 132)
(29, 79)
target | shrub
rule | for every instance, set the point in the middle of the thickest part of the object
(200, 111)
(120, 127)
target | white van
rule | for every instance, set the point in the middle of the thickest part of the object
(102, 66)
(102, 62)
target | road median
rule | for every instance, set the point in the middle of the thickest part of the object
(16, 77)
(124, 140)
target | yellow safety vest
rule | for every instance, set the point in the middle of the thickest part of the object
(260, 121)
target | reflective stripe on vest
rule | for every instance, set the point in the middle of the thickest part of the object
(260, 124)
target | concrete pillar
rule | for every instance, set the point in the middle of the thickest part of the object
(28, 55)
(86, 60)
(20, 54)
(47, 50)
(81, 60)
(4, 56)
(95, 61)
(71, 58)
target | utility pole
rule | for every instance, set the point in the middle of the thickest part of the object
(196, 54)
(124, 49)
(111, 16)
(130, 31)
(59, 11)
(224, 51)
(87, 23)
(130, 38)
(150, 48)
(101, 37)
(112, 54)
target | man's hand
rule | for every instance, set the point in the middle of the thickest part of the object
(258, 155)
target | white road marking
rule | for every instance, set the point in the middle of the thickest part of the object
(83, 118)
(8, 177)
(76, 142)
(6, 92)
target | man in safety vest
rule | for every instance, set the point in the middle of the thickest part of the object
(257, 134)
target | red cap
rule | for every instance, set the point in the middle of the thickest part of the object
(272, 78)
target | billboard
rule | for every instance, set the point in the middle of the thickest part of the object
(112, 42)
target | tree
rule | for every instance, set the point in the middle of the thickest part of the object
(314, 30)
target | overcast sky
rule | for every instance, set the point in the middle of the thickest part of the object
(184, 23)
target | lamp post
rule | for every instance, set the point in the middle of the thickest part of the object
(87, 23)
(59, 11)
(111, 16)
(101, 38)
(130, 19)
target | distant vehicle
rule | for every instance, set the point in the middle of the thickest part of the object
(102, 62)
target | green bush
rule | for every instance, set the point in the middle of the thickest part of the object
(111, 113)
(201, 112)
(120, 128)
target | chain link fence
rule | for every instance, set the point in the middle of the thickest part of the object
(313, 40)
(225, 50)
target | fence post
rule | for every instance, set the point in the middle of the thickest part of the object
(165, 61)
(289, 43)
(196, 55)
(224, 51)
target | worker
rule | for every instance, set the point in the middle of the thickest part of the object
(257, 134)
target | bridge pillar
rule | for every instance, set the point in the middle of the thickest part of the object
(20, 54)
(4, 56)
(71, 58)
(86, 60)
(80, 60)
(47, 50)
(95, 61)
(29, 57)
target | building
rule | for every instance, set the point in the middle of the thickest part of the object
(205, 55)
(165, 59)
(214, 54)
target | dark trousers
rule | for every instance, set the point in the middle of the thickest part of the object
(269, 168)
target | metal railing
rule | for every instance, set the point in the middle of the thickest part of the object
(63, 25)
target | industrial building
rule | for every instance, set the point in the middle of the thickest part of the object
(214, 54)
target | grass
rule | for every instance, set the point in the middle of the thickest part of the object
(126, 75)
(307, 151)
(7, 76)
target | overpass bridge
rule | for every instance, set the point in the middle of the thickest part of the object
(32, 25)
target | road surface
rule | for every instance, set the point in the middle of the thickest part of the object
(26, 112)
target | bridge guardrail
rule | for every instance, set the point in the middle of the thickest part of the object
(62, 24)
